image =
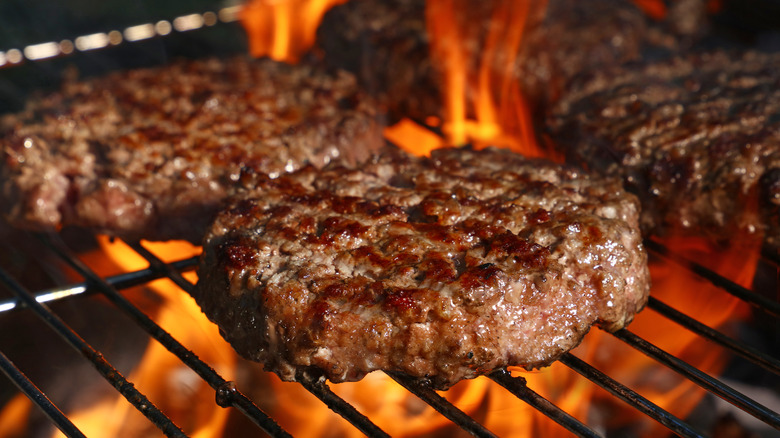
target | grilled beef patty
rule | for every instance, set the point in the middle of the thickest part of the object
(386, 43)
(443, 268)
(152, 153)
(697, 137)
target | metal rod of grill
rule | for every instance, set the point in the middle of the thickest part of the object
(518, 387)
(155, 263)
(36, 395)
(761, 302)
(318, 389)
(662, 416)
(119, 281)
(341, 407)
(702, 379)
(441, 404)
(110, 373)
(629, 396)
(227, 395)
(233, 397)
(764, 360)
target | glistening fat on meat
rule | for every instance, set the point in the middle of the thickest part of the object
(152, 153)
(695, 136)
(443, 268)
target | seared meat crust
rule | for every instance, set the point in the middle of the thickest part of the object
(385, 44)
(696, 137)
(152, 153)
(443, 268)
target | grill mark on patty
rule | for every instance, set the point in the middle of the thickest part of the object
(364, 275)
(179, 139)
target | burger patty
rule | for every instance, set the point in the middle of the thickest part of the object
(696, 137)
(442, 268)
(387, 44)
(152, 153)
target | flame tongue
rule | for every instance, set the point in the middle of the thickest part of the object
(484, 104)
(283, 29)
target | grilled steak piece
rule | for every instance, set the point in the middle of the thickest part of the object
(697, 137)
(443, 268)
(152, 153)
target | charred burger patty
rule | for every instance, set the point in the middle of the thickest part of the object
(695, 136)
(152, 153)
(443, 268)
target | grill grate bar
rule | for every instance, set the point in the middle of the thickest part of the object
(36, 395)
(518, 387)
(227, 394)
(702, 379)
(629, 396)
(761, 302)
(337, 404)
(319, 390)
(120, 281)
(110, 373)
(767, 362)
(441, 404)
(157, 264)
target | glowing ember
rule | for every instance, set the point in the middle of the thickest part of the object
(653, 8)
(283, 29)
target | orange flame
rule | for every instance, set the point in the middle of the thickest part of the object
(413, 138)
(692, 295)
(161, 376)
(482, 98)
(283, 29)
(484, 106)
(189, 401)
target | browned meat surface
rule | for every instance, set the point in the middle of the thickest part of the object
(386, 44)
(575, 37)
(152, 153)
(443, 268)
(697, 137)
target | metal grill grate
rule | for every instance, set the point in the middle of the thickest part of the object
(227, 394)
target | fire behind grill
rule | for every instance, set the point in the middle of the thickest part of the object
(45, 251)
(228, 395)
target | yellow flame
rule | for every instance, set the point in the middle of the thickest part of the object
(283, 29)
(483, 102)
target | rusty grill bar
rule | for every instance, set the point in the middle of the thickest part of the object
(228, 395)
